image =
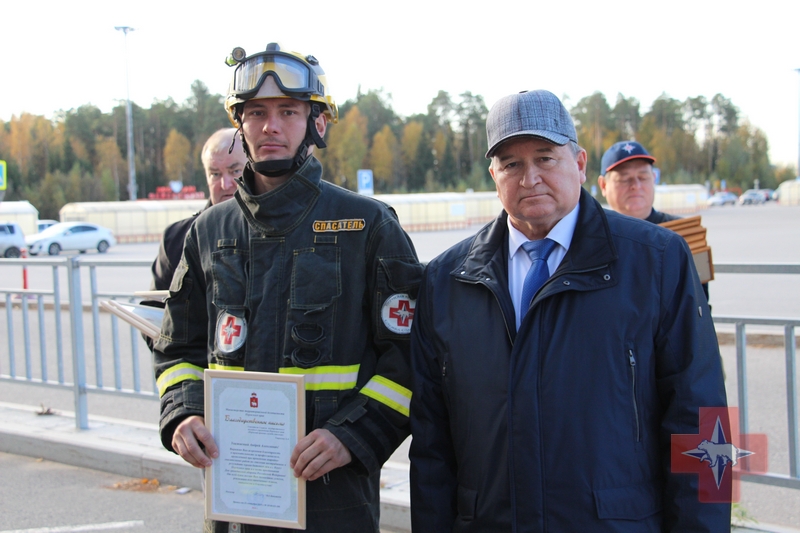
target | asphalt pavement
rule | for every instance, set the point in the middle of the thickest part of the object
(41, 496)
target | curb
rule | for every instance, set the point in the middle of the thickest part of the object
(116, 447)
(763, 340)
(770, 528)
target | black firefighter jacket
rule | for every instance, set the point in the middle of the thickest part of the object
(308, 278)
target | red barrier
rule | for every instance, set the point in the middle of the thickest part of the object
(24, 255)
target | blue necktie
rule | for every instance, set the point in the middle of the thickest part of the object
(538, 251)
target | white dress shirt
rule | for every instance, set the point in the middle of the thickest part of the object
(519, 262)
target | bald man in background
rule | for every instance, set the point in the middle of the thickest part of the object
(223, 166)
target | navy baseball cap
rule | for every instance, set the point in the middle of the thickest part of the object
(529, 113)
(621, 152)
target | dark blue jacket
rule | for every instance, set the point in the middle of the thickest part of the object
(565, 425)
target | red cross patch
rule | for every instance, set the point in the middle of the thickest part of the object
(397, 313)
(231, 332)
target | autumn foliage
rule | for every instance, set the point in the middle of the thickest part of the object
(80, 154)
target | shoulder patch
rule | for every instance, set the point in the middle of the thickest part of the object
(345, 224)
(231, 332)
(397, 313)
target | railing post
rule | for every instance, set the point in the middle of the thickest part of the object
(57, 312)
(78, 358)
(791, 401)
(741, 376)
(12, 365)
(98, 356)
(26, 335)
(42, 337)
(117, 357)
(137, 384)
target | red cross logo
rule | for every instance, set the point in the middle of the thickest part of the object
(719, 454)
(403, 313)
(230, 330)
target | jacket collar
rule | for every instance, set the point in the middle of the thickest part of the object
(208, 204)
(592, 246)
(592, 243)
(279, 211)
(487, 257)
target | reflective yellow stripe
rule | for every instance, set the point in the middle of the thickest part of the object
(215, 366)
(388, 393)
(326, 377)
(176, 374)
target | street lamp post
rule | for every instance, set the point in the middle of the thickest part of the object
(129, 115)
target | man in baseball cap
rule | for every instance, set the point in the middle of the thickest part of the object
(627, 181)
(555, 352)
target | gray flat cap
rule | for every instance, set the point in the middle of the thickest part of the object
(534, 113)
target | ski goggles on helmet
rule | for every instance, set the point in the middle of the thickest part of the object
(294, 76)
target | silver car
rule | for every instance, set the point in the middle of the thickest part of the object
(80, 236)
(722, 198)
(751, 197)
(12, 240)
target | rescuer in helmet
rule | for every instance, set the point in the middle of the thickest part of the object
(280, 83)
(295, 276)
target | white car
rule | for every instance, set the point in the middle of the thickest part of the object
(79, 236)
(12, 240)
(42, 225)
(722, 198)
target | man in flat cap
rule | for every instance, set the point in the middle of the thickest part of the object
(555, 352)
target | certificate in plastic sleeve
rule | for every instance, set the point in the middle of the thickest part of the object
(256, 419)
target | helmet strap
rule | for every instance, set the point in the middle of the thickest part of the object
(233, 140)
(311, 130)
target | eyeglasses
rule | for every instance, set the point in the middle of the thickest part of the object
(630, 182)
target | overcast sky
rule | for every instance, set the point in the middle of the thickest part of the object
(60, 55)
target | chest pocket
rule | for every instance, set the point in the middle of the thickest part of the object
(229, 267)
(316, 286)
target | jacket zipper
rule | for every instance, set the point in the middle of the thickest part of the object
(632, 362)
(496, 299)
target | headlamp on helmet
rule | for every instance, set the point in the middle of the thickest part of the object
(236, 56)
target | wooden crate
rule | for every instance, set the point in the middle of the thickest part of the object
(695, 236)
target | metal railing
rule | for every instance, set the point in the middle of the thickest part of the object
(22, 299)
(792, 480)
(49, 307)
